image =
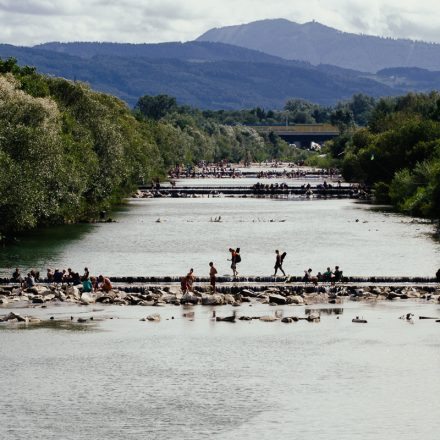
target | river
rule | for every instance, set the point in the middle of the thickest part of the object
(358, 237)
(198, 379)
(118, 377)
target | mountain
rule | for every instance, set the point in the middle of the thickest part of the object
(194, 51)
(206, 75)
(318, 44)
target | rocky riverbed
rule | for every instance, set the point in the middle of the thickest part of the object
(43, 296)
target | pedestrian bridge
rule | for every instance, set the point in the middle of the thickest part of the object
(301, 134)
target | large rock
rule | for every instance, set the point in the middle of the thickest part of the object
(87, 298)
(169, 298)
(287, 320)
(313, 317)
(248, 293)
(73, 291)
(295, 299)
(39, 290)
(213, 300)
(268, 318)
(155, 317)
(229, 299)
(277, 299)
(13, 316)
(189, 298)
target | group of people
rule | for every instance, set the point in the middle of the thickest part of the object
(69, 277)
(266, 188)
(330, 276)
(204, 170)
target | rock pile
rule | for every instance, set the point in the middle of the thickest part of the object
(147, 295)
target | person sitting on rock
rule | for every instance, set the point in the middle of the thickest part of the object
(309, 277)
(76, 279)
(58, 276)
(16, 276)
(95, 284)
(29, 281)
(328, 274)
(87, 285)
(49, 275)
(106, 285)
(86, 273)
(337, 275)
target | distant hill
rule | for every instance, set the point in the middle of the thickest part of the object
(410, 78)
(319, 44)
(194, 51)
(205, 75)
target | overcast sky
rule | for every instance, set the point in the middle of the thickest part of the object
(29, 22)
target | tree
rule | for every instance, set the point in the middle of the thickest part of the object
(156, 107)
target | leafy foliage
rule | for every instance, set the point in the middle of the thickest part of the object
(398, 153)
(67, 155)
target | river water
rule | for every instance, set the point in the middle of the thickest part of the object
(315, 233)
(182, 379)
(198, 379)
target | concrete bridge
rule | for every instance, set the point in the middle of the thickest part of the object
(301, 134)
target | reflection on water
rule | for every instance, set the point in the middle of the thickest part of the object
(316, 234)
(34, 249)
(50, 325)
(325, 311)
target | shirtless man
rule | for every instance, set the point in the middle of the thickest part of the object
(190, 278)
(212, 275)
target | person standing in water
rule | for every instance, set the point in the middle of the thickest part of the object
(212, 276)
(279, 262)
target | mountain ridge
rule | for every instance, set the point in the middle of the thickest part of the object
(320, 44)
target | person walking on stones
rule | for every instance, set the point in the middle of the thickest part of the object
(279, 262)
(235, 259)
(212, 276)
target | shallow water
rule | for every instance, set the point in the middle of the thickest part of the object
(182, 379)
(314, 233)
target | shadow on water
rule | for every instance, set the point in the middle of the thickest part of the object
(31, 249)
(66, 325)
(34, 248)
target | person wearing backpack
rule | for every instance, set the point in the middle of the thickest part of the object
(279, 262)
(235, 258)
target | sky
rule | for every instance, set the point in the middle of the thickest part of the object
(29, 22)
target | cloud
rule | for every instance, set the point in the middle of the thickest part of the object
(28, 22)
